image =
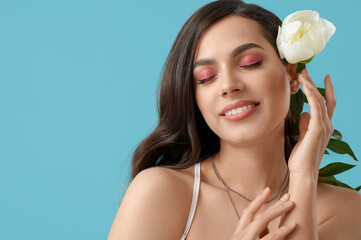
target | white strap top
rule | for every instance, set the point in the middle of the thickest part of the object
(197, 177)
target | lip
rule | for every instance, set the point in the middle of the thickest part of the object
(238, 104)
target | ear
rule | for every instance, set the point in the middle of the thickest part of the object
(294, 84)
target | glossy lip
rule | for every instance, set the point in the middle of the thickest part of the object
(238, 104)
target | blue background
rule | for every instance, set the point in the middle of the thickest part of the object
(78, 83)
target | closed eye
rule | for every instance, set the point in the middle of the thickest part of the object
(252, 65)
(201, 81)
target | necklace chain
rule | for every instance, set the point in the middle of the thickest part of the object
(228, 188)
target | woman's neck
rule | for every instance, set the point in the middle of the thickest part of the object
(250, 169)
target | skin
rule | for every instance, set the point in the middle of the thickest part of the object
(251, 157)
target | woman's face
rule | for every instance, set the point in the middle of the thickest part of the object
(242, 88)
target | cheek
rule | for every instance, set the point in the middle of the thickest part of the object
(280, 93)
(206, 105)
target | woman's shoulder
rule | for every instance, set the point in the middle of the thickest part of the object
(160, 181)
(339, 211)
(339, 197)
(174, 176)
(157, 201)
(162, 187)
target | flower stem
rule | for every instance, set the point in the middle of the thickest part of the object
(300, 66)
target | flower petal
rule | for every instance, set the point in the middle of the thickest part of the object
(291, 28)
(330, 29)
(278, 42)
(305, 15)
(295, 53)
(313, 40)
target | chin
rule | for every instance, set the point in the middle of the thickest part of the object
(242, 139)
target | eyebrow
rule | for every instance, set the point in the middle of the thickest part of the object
(234, 53)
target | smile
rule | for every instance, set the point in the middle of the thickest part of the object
(239, 110)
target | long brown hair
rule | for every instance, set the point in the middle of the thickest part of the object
(182, 137)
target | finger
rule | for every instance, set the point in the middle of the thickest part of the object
(280, 233)
(303, 124)
(325, 122)
(315, 107)
(319, 118)
(261, 220)
(281, 201)
(307, 81)
(330, 96)
(307, 77)
(249, 212)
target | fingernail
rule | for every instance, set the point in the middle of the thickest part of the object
(266, 189)
(285, 196)
(292, 225)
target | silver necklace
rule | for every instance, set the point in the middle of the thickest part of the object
(228, 188)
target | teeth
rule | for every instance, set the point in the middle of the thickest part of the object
(239, 110)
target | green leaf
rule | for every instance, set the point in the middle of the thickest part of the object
(341, 184)
(333, 181)
(296, 106)
(336, 134)
(300, 67)
(358, 188)
(341, 147)
(322, 91)
(326, 152)
(334, 169)
(326, 179)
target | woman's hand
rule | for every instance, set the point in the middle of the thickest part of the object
(315, 128)
(253, 223)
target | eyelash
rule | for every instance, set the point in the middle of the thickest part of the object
(201, 81)
(252, 65)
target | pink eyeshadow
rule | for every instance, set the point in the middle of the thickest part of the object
(250, 59)
(206, 73)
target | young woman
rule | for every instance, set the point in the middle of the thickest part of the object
(223, 162)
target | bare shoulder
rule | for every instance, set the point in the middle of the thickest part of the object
(155, 205)
(340, 210)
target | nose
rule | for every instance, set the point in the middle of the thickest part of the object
(231, 83)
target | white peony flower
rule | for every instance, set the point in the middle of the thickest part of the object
(303, 35)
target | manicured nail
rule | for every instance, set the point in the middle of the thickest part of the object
(285, 196)
(266, 189)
